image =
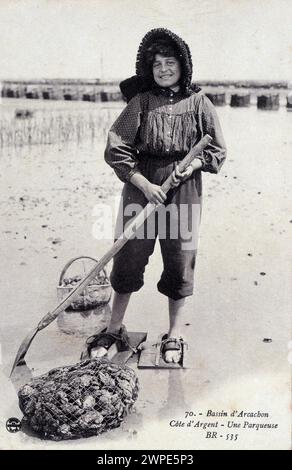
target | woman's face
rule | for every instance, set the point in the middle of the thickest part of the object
(166, 71)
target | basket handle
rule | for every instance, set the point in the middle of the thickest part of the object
(71, 261)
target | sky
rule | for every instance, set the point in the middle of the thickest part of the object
(229, 39)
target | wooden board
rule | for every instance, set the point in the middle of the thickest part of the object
(136, 338)
(150, 358)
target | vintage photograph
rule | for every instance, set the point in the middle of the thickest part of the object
(145, 215)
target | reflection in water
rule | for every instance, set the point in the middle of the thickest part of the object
(22, 375)
(132, 424)
(84, 323)
(175, 401)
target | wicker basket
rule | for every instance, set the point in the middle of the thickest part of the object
(98, 292)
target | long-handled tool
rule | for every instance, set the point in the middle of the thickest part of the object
(117, 246)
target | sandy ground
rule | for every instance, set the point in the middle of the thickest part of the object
(242, 291)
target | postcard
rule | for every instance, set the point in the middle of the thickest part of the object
(145, 267)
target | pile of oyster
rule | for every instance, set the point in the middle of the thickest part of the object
(99, 280)
(96, 293)
(82, 400)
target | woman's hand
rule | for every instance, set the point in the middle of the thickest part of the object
(151, 191)
(154, 193)
(178, 177)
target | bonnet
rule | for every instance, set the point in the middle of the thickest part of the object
(143, 80)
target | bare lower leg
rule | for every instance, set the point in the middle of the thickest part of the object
(178, 317)
(120, 303)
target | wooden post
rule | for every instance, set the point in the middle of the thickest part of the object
(289, 101)
(239, 100)
(268, 102)
(104, 96)
(32, 93)
(86, 97)
(218, 99)
(10, 93)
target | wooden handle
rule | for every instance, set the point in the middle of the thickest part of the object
(187, 160)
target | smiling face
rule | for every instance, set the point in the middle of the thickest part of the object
(166, 71)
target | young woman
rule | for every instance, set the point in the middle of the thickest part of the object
(165, 117)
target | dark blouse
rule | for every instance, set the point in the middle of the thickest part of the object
(164, 125)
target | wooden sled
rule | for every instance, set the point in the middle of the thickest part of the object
(121, 357)
(151, 357)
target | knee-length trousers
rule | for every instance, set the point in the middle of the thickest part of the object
(175, 223)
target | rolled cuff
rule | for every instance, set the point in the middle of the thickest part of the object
(212, 163)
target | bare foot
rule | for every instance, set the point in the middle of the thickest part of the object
(104, 342)
(98, 352)
(172, 350)
(172, 356)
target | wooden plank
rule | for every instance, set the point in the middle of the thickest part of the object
(150, 358)
(135, 339)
